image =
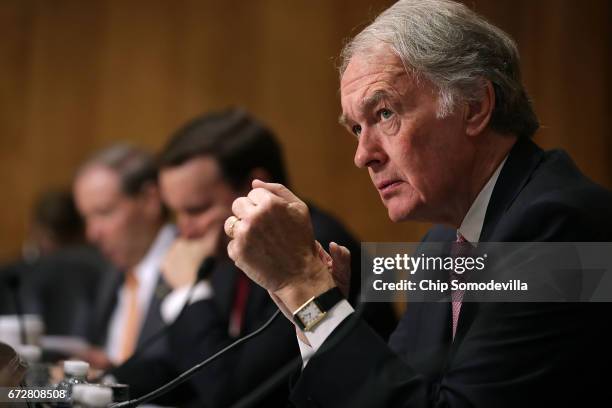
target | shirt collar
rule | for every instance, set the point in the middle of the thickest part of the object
(471, 227)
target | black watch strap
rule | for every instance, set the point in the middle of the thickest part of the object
(329, 299)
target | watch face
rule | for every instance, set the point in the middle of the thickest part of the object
(309, 315)
(310, 312)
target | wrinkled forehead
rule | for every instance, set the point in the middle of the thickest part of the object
(369, 68)
(372, 77)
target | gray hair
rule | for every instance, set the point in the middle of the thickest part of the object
(455, 49)
(135, 167)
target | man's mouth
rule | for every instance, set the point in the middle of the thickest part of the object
(387, 183)
(386, 186)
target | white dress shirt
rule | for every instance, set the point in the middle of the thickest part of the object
(174, 302)
(147, 272)
(470, 228)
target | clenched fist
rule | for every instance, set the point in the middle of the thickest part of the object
(273, 243)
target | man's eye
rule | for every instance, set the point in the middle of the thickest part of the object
(385, 113)
(356, 129)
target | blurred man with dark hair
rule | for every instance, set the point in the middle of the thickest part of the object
(204, 167)
(56, 223)
(116, 192)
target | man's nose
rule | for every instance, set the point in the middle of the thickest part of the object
(369, 152)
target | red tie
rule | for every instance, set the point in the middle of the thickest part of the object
(240, 300)
(459, 248)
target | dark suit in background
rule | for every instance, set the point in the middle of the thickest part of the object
(504, 354)
(60, 287)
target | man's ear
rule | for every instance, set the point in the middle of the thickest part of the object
(478, 113)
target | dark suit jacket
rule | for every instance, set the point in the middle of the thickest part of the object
(203, 330)
(504, 354)
(60, 287)
(107, 301)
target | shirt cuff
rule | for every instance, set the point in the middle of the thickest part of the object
(306, 351)
(321, 332)
(173, 303)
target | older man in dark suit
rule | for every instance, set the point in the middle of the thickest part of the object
(433, 95)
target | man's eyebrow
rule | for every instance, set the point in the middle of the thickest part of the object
(373, 99)
(366, 104)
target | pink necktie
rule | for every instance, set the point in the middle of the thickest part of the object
(459, 248)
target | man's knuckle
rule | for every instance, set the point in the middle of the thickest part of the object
(237, 204)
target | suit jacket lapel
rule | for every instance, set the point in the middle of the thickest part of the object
(522, 161)
(223, 280)
(423, 336)
(105, 304)
(153, 321)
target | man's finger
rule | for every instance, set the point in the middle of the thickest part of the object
(340, 254)
(323, 254)
(242, 206)
(341, 257)
(229, 226)
(259, 195)
(277, 189)
(231, 250)
(341, 271)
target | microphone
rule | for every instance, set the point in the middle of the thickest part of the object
(203, 272)
(193, 370)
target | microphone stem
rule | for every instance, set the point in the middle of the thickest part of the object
(193, 370)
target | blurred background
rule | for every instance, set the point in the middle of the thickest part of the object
(79, 75)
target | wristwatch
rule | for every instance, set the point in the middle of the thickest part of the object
(314, 310)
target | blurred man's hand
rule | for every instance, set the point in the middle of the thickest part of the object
(180, 267)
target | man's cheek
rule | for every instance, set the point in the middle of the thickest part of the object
(391, 127)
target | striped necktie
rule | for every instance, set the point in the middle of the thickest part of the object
(461, 247)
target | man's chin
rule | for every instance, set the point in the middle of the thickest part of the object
(406, 208)
(400, 214)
